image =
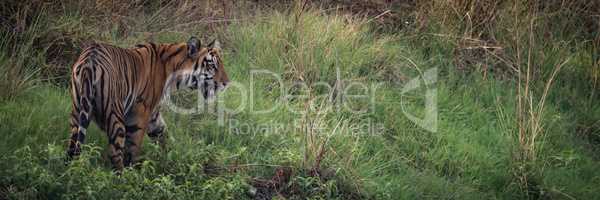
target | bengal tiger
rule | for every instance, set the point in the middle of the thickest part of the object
(120, 89)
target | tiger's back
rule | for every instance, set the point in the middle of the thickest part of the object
(103, 73)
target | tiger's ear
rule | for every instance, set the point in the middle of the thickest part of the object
(193, 45)
(215, 44)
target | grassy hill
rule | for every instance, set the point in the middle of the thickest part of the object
(328, 101)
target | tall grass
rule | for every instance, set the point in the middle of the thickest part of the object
(528, 43)
(20, 60)
(530, 114)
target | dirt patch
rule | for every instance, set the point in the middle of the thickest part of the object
(284, 184)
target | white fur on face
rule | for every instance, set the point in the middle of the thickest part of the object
(202, 78)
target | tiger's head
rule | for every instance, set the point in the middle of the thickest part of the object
(203, 70)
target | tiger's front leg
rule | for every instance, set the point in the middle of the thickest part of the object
(157, 130)
(136, 127)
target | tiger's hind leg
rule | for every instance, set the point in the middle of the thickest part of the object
(79, 123)
(115, 129)
(81, 115)
(157, 130)
(82, 95)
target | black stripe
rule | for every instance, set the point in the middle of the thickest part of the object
(177, 51)
(153, 46)
(131, 129)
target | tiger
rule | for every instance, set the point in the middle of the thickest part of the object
(120, 89)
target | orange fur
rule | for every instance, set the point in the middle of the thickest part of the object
(120, 89)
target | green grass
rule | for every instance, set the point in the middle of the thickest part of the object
(470, 156)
